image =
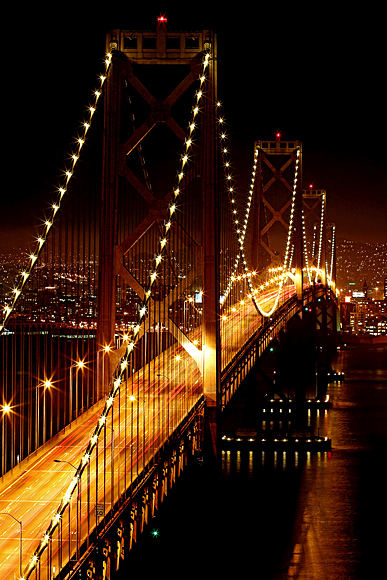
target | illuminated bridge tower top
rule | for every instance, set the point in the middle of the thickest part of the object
(159, 47)
(277, 162)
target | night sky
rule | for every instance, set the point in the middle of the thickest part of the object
(316, 74)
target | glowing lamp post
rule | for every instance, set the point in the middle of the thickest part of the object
(65, 461)
(106, 367)
(20, 540)
(80, 365)
(6, 409)
(47, 384)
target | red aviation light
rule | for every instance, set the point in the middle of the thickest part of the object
(162, 19)
(278, 135)
(311, 186)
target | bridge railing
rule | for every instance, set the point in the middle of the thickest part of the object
(237, 370)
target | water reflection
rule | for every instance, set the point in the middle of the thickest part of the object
(330, 501)
(290, 515)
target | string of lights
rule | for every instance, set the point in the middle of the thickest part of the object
(322, 218)
(231, 197)
(291, 257)
(122, 366)
(289, 274)
(238, 278)
(55, 207)
(313, 242)
(333, 243)
(240, 226)
(289, 246)
(305, 247)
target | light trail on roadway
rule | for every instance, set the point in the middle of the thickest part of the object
(147, 411)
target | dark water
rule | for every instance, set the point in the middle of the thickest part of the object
(321, 517)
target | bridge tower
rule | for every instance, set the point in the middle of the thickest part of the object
(274, 188)
(314, 204)
(331, 233)
(164, 55)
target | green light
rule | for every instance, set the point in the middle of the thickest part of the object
(155, 533)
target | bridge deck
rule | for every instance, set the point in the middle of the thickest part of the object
(34, 490)
(34, 494)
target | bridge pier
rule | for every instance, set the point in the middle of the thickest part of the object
(211, 431)
(326, 329)
(305, 352)
(296, 362)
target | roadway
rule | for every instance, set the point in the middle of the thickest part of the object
(150, 407)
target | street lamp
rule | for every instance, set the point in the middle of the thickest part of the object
(6, 409)
(106, 366)
(20, 541)
(47, 384)
(80, 365)
(65, 461)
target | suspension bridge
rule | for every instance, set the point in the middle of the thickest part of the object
(153, 286)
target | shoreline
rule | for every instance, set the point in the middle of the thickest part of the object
(364, 339)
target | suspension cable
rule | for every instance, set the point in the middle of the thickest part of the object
(240, 227)
(305, 247)
(240, 230)
(122, 366)
(288, 249)
(322, 218)
(62, 190)
(333, 244)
